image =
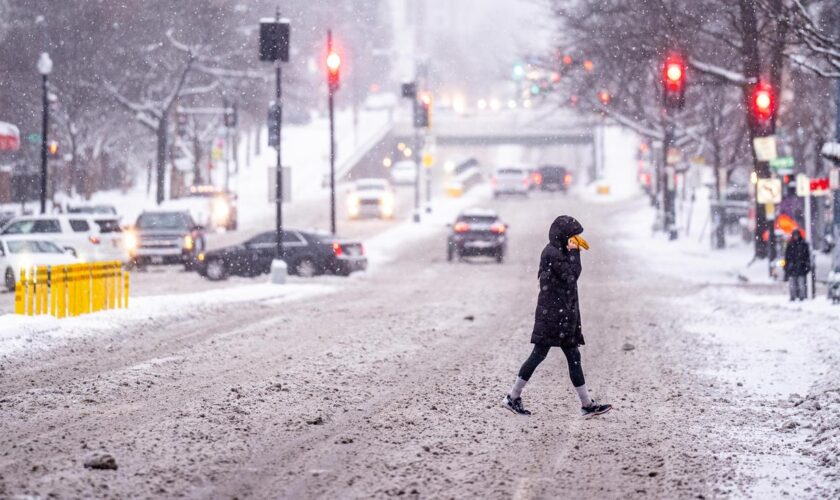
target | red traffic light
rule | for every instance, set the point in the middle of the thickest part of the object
(604, 97)
(674, 74)
(426, 99)
(333, 62)
(52, 147)
(763, 101)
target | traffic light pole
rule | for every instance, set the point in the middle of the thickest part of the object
(417, 174)
(331, 92)
(44, 131)
(278, 114)
(332, 163)
(669, 187)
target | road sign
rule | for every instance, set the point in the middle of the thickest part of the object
(820, 186)
(765, 148)
(803, 185)
(782, 164)
(33, 138)
(768, 191)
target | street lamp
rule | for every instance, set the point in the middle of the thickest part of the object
(45, 65)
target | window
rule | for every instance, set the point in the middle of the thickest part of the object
(2, 253)
(292, 238)
(263, 239)
(79, 225)
(20, 227)
(109, 226)
(164, 220)
(46, 226)
(33, 246)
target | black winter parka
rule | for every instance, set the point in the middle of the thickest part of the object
(557, 318)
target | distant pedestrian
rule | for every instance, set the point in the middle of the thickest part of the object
(797, 265)
(557, 318)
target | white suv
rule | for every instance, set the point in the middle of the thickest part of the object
(90, 238)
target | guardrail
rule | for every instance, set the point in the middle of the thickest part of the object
(71, 290)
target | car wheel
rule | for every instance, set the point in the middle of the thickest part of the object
(216, 270)
(10, 279)
(500, 256)
(306, 268)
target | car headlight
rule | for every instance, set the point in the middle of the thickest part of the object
(130, 241)
(188, 242)
(201, 257)
(221, 210)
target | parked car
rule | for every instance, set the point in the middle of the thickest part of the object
(209, 206)
(511, 180)
(5, 217)
(477, 233)
(554, 178)
(306, 254)
(165, 237)
(18, 252)
(371, 198)
(78, 233)
(404, 172)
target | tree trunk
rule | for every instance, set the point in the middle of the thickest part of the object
(161, 159)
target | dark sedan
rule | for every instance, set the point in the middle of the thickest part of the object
(306, 254)
(477, 233)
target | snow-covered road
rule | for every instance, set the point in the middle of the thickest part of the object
(389, 384)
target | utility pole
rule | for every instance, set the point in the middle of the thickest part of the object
(274, 47)
(44, 67)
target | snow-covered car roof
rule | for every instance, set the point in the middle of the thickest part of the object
(478, 212)
(372, 181)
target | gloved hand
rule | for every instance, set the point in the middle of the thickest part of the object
(580, 242)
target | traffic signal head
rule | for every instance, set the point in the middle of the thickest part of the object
(333, 68)
(52, 147)
(763, 102)
(673, 81)
(422, 110)
(605, 97)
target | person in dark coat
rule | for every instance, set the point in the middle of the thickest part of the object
(797, 265)
(557, 318)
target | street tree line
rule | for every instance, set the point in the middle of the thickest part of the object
(122, 68)
(728, 47)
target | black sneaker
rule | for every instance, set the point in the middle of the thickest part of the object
(595, 409)
(515, 405)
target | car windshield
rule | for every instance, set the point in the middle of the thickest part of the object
(163, 220)
(370, 186)
(33, 246)
(109, 226)
(98, 209)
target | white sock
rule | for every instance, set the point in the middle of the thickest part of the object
(516, 391)
(583, 394)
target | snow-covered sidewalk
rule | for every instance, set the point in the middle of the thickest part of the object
(780, 356)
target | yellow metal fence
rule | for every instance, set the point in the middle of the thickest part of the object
(71, 290)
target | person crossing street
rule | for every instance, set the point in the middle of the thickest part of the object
(557, 318)
(797, 266)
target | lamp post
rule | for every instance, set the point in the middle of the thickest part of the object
(45, 65)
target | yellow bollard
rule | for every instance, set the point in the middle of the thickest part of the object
(75, 295)
(59, 287)
(40, 290)
(115, 284)
(51, 283)
(94, 287)
(86, 289)
(125, 289)
(20, 287)
(30, 292)
(119, 287)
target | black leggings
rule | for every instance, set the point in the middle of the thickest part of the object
(541, 351)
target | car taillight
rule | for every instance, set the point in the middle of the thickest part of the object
(538, 179)
(337, 249)
(461, 227)
(494, 181)
(94, 240)
(498, 228)
(525, 182)
(568, 179)
(361, 249)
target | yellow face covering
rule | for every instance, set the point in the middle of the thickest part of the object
(580, 242)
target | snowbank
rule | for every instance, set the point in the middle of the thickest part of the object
(19, 333)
